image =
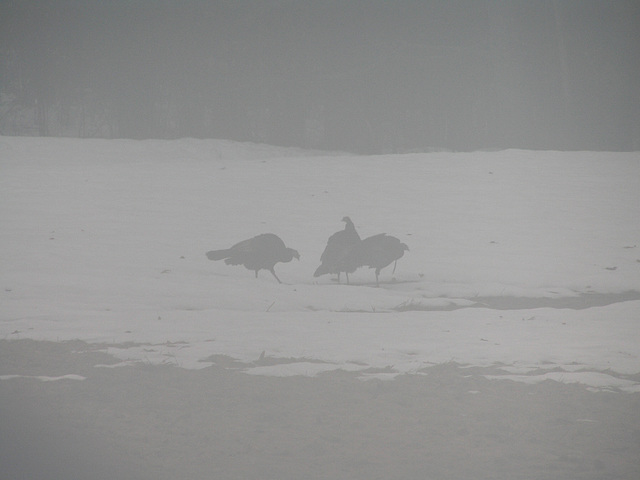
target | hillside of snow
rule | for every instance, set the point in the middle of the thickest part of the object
(526, 260)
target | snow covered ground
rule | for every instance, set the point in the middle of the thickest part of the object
(525, 260)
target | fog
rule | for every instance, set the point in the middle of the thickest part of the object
(362, 76)
(498, 140)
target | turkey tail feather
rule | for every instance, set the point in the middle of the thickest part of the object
(217, 254)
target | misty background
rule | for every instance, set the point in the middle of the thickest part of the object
(367, 76)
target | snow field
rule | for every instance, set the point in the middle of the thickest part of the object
(104, 241)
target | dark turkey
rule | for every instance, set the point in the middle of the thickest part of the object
(332, 260)
(257, 253)
(376, 252)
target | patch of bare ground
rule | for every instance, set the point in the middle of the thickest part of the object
(577, 302)
(161, 422)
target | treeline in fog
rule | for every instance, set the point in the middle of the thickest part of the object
(367, 76)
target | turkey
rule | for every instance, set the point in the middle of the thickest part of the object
(338, 246)
(258, 253)
(377, 251)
